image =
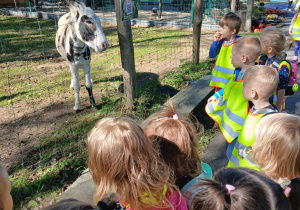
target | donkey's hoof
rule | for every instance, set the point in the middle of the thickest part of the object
(76, 108)
(71, 87)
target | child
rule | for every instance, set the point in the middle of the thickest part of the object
(294, 31)
(228, 108)
(260, 82)
(123, 160)
(236, 189)
(176, 141)
(273, 42)
(6, 201)
(108, 203)
(276, 149)
(222, 46)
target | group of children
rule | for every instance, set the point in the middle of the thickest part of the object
(158, 166)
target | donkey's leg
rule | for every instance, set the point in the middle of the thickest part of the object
(88, 83)
(76, 85)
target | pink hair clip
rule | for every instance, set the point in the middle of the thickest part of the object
(175, 117)
(229, 188)
(287, 191)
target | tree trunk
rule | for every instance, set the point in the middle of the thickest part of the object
(127, 56)
(250, 4)
(159, 8)
(197, 23)
(233, 5)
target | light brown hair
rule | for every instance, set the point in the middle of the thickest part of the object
(263, 78)
(232, 21)
(277, 145)
(123, 160)
(252, 190)
(248, 45)
(176, 139)
(273, 37)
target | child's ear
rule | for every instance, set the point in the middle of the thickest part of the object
(254, 94)
(233, 31)
(244, 58)
(270, 49)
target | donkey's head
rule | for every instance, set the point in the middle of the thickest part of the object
(87, 26)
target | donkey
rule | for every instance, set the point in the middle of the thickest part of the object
(78, 31)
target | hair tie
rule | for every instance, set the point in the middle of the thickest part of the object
(175, 117)
(287, 191)
(229, 188)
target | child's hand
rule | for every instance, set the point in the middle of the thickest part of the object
(217, 36)
(211, 99)
(290, 32)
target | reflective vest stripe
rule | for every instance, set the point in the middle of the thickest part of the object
(237, 119)
(219, 80)
(296, 29)
(224, 70)
(296, 35)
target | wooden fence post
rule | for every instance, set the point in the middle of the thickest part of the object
(233, 5)
(250, 4)
(127, 56)
(197, 23)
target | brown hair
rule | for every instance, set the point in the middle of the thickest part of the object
(248, 45)
(277, 145)
(107, 203)
(263, 78)
(123, 160)
(252, 190)
(176, 140)
(232, 21)
(273, 37)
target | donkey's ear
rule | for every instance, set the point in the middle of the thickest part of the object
(76, 8)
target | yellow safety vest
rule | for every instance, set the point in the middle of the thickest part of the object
(230, 110)
(245, 139)
(296, 29)
(223, 68)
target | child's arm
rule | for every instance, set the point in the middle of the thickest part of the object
(216, 95)
(292, 24)
(216, 45)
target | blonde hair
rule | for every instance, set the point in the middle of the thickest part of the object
(263, 78)
(232, 21)
(123, 160)
(248, 45)
(176, 139)
(277, 145)
(273, 37)
(3, 183)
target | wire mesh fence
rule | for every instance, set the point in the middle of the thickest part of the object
(38, 126)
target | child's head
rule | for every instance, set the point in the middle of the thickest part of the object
(272, 40)
(123, 160)
(231, 21)
(245, 50)
(176, 140)
(277, 145)
(238, 188)
(107, 203)
(260, 82)
(6, 201)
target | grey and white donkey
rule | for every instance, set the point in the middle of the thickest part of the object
(77, 31)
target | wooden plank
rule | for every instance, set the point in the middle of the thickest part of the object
(193, 96)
